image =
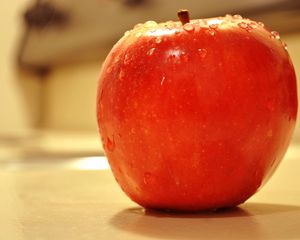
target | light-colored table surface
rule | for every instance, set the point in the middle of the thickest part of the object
(79, 199)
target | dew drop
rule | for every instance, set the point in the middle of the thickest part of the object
(110, 144)
(162, 80)
(158, 40)
(121, 75)
(151, 51)
(284, 45)
(126, 33)
(184, 57)
(253, 25)
(188, 27)
(138, 25)
(213, 26)
(197, 28)
(126, 59)
(275, 35)
(150, 24)
(211, 32)
(243, 25)
(228, 16)
(260, 24)
(138, 34)
(202, 52)
(237, 16)
(109, 69)
(169, 24)
(148, 178)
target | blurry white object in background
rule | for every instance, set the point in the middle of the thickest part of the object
(15, 119)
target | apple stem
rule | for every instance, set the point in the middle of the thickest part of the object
(183, 16)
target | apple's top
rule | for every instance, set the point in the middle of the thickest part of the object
(211, 26)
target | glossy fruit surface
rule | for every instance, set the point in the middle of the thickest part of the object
(196, 116)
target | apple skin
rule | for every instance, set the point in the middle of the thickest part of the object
(199, 116)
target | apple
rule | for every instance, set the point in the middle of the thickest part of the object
(196, 114)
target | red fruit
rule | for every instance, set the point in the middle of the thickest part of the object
(196, 116)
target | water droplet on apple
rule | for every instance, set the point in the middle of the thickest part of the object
(243, 25)
(150, 51)
(126, 59)
(150, 24)
(228, 16)
(148, 178)
(260, 24)
(169, 24)
(110, 144)
(121, 75)
(275, 35)
(109, 69)
(284, 45)
(158, 40)
(213, 26)
(237, 16)
(137, 25)
(162, 80)
(211, 32)
(202, 52)
(184, 57)
(253, 25)
(138, 34)
(126, 33)
(188, 27)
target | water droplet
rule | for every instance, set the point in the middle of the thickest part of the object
(169, 24)
(197, 28)
(285, 45)
(275, 35)
(158, 40)
(126, 59)
(138, 34)
(110, 144)
(137, 25)
(109, 69)
(126, 33)
(150, 52)
(121, 75)
(150, 24)
(237, 16)
(228, 16)
(148, 178)
(162, 80)
(211, 32)
(184, 57)
(253, 25)
(260, 24)
(213, 26)
(188, 27)
(243, 25)
(202, 52)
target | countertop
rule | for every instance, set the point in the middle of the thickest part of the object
(78, 198)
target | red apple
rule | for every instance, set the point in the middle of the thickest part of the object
(197, 114)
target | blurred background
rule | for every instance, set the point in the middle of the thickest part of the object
(51, 55)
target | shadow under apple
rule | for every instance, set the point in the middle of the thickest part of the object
(248, 221)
